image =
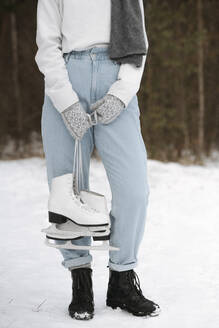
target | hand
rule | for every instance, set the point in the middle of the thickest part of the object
(76, 120)
(108, 108)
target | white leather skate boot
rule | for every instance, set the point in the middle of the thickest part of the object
(64, 205)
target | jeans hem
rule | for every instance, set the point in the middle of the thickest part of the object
(77, 261)
(122, 267)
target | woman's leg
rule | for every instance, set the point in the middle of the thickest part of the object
(122, 150)
(58, 146)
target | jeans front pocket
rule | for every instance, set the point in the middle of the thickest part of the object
(107, 74)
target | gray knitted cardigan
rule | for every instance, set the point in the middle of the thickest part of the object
(127, 43)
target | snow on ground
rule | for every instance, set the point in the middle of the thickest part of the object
(178, 260)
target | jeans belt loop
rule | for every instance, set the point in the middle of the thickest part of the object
(69, 54)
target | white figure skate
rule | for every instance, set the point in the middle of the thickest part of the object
(75, 215)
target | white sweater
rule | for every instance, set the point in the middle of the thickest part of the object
(65, 25)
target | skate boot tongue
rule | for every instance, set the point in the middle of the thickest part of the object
(94, 200)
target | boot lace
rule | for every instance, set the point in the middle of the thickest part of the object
(135, 282)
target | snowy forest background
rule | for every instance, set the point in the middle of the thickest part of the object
(179, 91)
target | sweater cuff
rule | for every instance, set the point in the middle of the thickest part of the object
(62, 98)
(123, 90)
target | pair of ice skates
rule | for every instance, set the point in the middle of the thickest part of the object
(76, 213)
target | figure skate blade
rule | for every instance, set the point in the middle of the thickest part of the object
(70, 230)
(68, 245)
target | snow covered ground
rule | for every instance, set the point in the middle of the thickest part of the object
(178, 260)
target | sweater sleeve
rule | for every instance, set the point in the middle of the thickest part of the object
(49, 56)
(129, 76)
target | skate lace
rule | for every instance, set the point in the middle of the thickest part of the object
(78, 200)
(84, 205)
(77, 180)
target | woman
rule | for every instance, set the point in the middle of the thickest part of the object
(74, 41)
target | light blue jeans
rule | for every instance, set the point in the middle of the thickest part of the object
(121, 148)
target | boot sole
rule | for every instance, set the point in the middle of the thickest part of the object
(78, 317)
(122, 306)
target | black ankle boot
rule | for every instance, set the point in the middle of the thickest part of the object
(124, 291)
(82, 305)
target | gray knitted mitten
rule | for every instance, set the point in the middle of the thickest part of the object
(76, 120)
(108, 108)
